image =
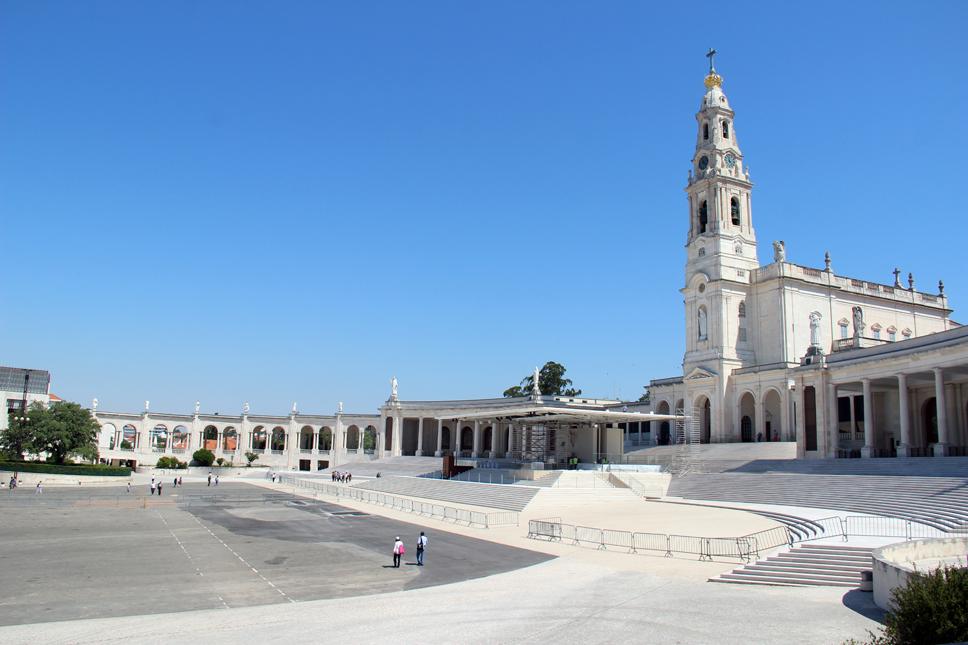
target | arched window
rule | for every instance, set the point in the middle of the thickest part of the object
(742, 309)
(705, 131)
(725, 129)
(734, 210)
(703, 217)
(702, 251)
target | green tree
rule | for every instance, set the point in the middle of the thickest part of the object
(251, 456)
(203, 457)
(15, 440)
(62, 429)
(646, 396)
(551, 380)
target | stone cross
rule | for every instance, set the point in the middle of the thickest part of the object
(897, 277)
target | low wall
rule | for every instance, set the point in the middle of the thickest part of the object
(51, 479)
(895, 564)
(203, 471)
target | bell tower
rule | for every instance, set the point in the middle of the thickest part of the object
(721, 242)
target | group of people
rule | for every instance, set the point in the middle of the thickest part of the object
(399, 549)
(342, 478)
(210, 479)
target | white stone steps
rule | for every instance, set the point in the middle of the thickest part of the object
(774, 580)
(814, 565)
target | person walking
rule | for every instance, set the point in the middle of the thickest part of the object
(180, 482)
(398, 551)
(159, 488)
(40, 489)
(421, 546)
(210, 479)
(174, 484)
(128, 486)
(216, 480)
(152, 485)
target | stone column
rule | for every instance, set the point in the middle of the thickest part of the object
(941, 448)
(869, 430)
(760, 429)
(438, 452)
(455, 438)
(476, 446)
(359, 439)
(420, 429)
(833, 430)
(904, 450)
(398, 436)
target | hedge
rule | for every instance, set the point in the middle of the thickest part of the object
(65, 469)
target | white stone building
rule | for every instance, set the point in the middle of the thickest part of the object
(20, 388)
(768, 346)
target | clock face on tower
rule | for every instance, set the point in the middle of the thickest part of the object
(730, 159)
(703, 162)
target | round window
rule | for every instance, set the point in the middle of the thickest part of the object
(702, 288)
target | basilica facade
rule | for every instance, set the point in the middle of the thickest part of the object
(768, 345)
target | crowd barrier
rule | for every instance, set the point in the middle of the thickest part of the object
(408, 505)
(745, 548)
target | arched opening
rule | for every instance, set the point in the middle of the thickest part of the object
(725, 129)
(466, 439)
(179, 439)
(772, 415)
(664, 427)
(159, 438)
(353, 438)
(230, 440)
(210, 438)
(929, 421)
(703, 217)
(369, 440)
(747, 418)
(445, 438)
(388, 435)
(107, 438)
(705, 132)
(129, 437)
(809, 418)
(326, 439)
(259, 438)
(705, 419)
(734, 211)
(306, 438)
(278, 439)
(487, 440)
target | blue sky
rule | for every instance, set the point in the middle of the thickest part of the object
(268, 202)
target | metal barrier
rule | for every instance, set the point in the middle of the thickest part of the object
(652, 542)
(589, 535)
(407, 505)
(622, 539)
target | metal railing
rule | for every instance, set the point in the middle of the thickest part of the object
(744, 548)
(425, 509)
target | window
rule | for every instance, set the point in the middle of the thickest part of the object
(742, 309)
(725, 129)
(734, 210)
(702, 251)
(843, 328)
(705, 131)
(703, 218)
(843, 409)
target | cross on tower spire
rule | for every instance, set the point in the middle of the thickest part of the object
(710, 55)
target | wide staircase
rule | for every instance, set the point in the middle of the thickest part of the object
(809, 565)
(938, 501)
(509, 498)
(399, 466)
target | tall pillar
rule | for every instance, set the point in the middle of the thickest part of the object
(398, 436)
(440, 438)
(359, 439)
(904, 450)
(419, 452)
(869, 429)
(940, 448)
(476, 449)
(833, 427)
(455, 438)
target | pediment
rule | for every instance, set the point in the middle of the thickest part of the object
(700, 373)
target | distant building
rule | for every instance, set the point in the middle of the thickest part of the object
(19, 385)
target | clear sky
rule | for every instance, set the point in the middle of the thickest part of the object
(278, 201)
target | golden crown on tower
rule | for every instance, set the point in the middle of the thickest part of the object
(713, 80)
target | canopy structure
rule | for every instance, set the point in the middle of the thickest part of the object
(553, 431)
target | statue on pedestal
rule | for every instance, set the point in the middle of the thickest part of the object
(779, 251)
(198, 406)
(94, 405)
(393, 388)
(245, 408)
(339, 408)
(293, 408)
(147, 405)
(535, 386)
(858, 321)
(815, 329)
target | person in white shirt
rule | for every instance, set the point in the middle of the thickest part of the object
(421, 546)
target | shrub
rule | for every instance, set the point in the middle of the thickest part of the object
(932, 608)
(64, 469)
(220, 461)
(170, 462)
(251, 456)
(203, 457)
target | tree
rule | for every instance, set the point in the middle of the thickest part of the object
(15, 440)
(646, 396)
(551, 380)
(203, 457)
(251, 456)
(60, 430)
